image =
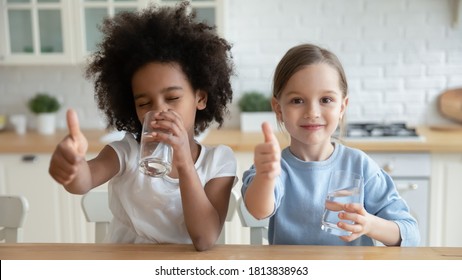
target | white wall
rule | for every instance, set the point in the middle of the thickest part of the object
(398, 55)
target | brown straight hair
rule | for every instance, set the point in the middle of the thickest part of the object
(301, 56)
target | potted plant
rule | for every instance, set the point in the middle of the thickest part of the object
(45, 107)
(255, 109)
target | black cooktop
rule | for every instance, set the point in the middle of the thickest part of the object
(358, 130)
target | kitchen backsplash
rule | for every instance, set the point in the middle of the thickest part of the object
(399, 55)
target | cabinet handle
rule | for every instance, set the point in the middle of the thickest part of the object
(29, 158)
(407, 187)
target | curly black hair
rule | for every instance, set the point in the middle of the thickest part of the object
(159, 34)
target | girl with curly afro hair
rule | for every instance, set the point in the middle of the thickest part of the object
(159, 59)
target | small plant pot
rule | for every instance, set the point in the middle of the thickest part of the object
(46, 123)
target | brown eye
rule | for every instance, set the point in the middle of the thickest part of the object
(296, 101)
(326, 100)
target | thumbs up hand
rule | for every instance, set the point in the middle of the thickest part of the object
(267, 158)
(79, 141)
(70, 152)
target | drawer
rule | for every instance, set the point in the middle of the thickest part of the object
(404, 164)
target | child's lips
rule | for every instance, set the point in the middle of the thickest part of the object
(312, 126)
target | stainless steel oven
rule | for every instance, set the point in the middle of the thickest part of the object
(411, 174)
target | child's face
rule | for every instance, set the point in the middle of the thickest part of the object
(311, 105)
(164, 86)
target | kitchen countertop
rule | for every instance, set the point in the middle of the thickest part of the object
(32, 142)
(436, 140)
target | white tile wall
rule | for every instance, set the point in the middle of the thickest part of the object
(398, 55)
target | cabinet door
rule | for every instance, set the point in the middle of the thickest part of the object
(54, 214)
(445, 211)
(209, 11)
(35, 31)
(66, 31)
(90, 15)
(27, 175)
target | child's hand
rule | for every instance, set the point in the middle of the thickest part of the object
(69, 153)
(173, 132)
(362, 221)
(267, 158)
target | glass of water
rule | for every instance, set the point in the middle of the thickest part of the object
(155, 157)
(344, 187)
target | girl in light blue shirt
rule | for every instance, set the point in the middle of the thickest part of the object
(310, 99)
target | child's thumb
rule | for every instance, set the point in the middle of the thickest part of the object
(268, 132)
(73, 124)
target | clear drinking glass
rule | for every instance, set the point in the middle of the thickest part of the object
(155, 157)
(344, 187)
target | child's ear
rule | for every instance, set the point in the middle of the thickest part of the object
(201, 99)
(344, 105)
(277, 109)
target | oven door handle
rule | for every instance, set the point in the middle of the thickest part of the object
(402, 187)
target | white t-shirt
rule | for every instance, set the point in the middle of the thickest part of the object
(149, 210)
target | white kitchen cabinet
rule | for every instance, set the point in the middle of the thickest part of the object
(54, 214)
(66, 31)
(35, 31)
(445, 210)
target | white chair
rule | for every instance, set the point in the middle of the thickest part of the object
(95, 206)
(258, 228)
(13, 210)
(229, 217)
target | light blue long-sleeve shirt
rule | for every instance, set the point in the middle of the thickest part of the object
(300, 194)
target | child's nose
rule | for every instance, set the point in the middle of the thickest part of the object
(312, 111)
(159, 107)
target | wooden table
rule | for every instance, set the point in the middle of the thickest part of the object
(77, 251)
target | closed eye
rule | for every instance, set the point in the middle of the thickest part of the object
(172, 98)
(142, 104)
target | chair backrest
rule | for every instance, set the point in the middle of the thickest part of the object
(13, 210)
(95, 206)
(229, 217)
(258, 228)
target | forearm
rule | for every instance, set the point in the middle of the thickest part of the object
(201, 218)
(259, 197)
(92, 173)
(82, 182)
(385, 231)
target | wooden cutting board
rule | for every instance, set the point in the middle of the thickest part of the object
(446, 127)
(450, 104)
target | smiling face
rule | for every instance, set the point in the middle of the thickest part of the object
(311, 105)
(164, 86)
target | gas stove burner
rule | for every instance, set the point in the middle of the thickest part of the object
(380, 130)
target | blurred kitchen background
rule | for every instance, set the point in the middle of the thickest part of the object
(399, 56)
